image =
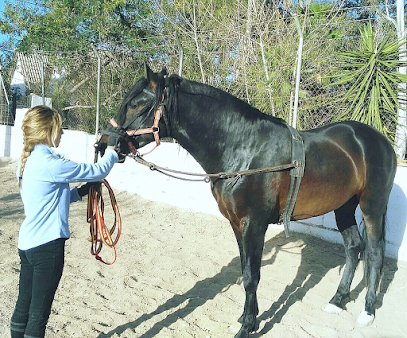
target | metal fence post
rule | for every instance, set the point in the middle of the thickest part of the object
(97, 94)
(42, 81)
(400, 141)
(298, 72)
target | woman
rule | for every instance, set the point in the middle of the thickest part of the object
(44, 178)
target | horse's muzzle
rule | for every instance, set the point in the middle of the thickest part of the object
(127, 146)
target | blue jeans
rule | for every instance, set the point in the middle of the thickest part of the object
(41, 271)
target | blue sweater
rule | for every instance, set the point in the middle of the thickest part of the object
(46, 194)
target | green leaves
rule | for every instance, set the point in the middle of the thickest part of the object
(372, 79)
(72, 25)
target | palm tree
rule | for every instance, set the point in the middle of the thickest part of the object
(372, 80)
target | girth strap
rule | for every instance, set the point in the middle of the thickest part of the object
(296, 173)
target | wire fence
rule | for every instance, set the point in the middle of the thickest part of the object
(6, 115)
(74, 95)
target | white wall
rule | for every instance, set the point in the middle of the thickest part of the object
(396, 220)
(75, 145)
(5, 140)
(138, 179)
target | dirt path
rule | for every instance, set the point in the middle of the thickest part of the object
(178, 275)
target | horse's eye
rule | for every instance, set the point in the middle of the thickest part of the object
(138, 102)
(134, 103)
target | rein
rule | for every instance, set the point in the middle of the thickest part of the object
(100, 234)
(236, 175)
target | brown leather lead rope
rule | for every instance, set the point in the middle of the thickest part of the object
(100, 234)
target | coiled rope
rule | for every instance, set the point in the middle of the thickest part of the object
(100, 234)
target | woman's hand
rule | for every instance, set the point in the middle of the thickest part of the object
(116, 135)
(84, 189)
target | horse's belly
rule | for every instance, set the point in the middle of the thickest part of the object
(319, 200)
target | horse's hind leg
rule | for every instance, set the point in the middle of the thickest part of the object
(374, 254)
(373, 203)
(353, 243)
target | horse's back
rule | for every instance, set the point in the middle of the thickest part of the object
(343, 160)
(359, 141)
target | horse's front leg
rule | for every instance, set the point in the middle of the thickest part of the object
(243, 264)
(251, 245)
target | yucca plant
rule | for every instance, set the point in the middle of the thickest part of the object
(372, 77)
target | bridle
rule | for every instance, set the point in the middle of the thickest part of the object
(154, 129)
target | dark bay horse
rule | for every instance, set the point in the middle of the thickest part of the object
(346, 164)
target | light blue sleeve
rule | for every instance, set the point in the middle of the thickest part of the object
(65, 171)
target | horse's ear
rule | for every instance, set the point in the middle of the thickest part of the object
(151, 77)
(164, 71)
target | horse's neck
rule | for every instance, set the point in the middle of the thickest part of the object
(220, 139)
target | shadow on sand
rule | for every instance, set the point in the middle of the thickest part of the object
(309, 274)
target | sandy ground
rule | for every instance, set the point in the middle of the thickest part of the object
(178, 275)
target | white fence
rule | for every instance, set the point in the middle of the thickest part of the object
(137, 179)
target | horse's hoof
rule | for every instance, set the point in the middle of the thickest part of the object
(243, 333)
(333, 309)
(364, 319)
(241, 319)
(234, 329)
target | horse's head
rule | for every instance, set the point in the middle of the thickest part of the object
(142, 113)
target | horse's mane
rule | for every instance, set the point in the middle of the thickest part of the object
(174, 83)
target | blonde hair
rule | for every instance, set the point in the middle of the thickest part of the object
(41, 124)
